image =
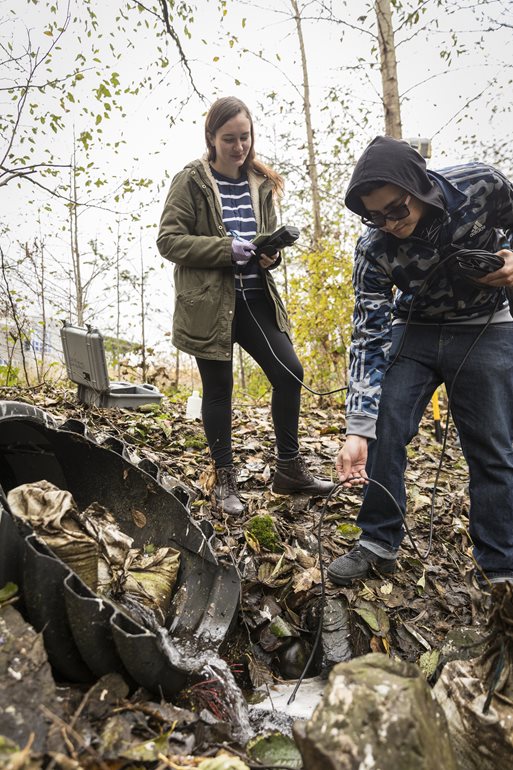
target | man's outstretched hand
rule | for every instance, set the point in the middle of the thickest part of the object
(351, 461)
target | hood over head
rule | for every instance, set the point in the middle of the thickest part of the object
(392, 161)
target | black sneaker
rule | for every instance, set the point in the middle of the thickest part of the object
(357, 564)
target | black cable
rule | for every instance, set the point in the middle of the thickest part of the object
(323, 594)
(470, 257)
(412, 304)
(473, 264)
(323, 579)
(495, 677)
(315, 392)
(492, 265)
(446, 429)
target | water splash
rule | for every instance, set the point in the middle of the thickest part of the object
(196, 657)
(208, 664)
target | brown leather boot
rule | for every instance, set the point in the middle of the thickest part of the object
(226, 492)
(293, 476)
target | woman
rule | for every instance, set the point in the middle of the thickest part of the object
(214, 208)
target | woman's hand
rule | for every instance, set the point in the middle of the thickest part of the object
(266, 262)
(242, 251)
(351, 461)
(504, 275)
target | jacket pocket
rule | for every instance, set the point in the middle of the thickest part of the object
(196, 314)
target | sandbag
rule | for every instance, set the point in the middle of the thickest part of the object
(53, 515)
(95, 548)
(151, 577)
(477, 695)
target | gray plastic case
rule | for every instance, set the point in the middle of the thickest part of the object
(84, 354)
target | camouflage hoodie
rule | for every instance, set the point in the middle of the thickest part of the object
(471, 207)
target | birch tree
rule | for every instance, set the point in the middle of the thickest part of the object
(388, 67)
(312, 162)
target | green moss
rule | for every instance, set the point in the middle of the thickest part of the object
(194, 442)
(349, 530)
(263, 530)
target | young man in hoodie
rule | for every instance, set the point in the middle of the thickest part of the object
(423, 230)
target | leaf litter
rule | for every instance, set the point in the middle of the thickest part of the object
(407, 615)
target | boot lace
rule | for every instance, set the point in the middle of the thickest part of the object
(304, 468)
(228, 481)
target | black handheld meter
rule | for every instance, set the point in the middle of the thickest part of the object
(270, 244)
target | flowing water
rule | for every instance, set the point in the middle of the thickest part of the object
(195, 657)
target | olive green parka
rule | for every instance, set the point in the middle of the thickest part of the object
(193, 236)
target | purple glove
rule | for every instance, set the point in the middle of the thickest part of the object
(242, 251)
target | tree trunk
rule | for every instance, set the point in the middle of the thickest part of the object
(388, 67)
(143, 315)
(117, 347)
(312, 164)
(20, 335)
(75, 252)
(44, 320)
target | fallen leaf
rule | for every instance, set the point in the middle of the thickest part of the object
(306, 579)
(428, 662)
(139, 518)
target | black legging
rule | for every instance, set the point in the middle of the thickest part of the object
(217, 379)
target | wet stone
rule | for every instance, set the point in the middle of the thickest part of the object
(335, 642)
(463, 643)
(27, 683)
(376, 713)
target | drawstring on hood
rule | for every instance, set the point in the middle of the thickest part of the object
(393, 161)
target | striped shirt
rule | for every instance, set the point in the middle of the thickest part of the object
(239, 220)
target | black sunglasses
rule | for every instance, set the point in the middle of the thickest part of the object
(397, 212)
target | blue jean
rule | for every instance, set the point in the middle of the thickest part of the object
(482, 410)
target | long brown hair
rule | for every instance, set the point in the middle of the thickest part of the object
(220, 112)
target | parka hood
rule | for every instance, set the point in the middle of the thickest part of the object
(393, 161)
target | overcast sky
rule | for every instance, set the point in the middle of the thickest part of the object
(152, 146)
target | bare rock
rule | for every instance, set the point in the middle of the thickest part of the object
(27, 683)
(376, 714)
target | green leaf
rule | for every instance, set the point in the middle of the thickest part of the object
(369, 616)
(375, 617)
(274, 749)
(7, 592)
